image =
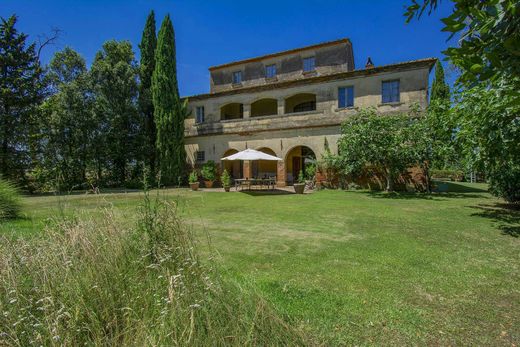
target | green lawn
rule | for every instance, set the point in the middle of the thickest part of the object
(354, 267)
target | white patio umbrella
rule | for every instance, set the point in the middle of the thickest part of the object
(251, 154)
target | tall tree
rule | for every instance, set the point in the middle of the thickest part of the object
(442, 125)
(487, 107)
(392, 143)
(147, 46)
(67, 120)
(169, 111)
(440, 89)
(114, 76)
(20, 93)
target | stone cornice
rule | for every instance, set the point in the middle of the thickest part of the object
(409, 65)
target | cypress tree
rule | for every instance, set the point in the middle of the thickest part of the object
(440, 89)
(147, 46)
(168, 109)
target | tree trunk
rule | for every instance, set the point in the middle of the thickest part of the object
(428, 179)
(389, 181)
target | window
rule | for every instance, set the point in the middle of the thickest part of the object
(237, 77)
(270, 71)
(390, 91)
(200, 156)
(309, 64)
(305, 106)
(345, 97)
(200, 114)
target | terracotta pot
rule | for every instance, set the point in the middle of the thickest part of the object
(226, 188)
(208, 184)
(194, 186)
(299, 188)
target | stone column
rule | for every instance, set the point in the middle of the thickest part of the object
(280, 174)
(248, 169)
(247, 111)
(281, 106)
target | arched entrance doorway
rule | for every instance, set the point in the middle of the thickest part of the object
(299, 158)
(234, 167)
(265, 168)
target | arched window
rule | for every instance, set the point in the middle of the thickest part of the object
(264, 107)
(233, 110)
(303, 102)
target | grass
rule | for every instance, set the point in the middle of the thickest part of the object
(102, 282)
(9, 200)
(357, 267)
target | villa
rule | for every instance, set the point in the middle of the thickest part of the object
(291, 104)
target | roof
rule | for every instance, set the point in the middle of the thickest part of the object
(409, 65)
(277, 54)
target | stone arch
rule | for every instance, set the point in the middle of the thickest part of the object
(301, 102)
(264, 107)
(298, 158)
(265, 168)
(233, 167)
(232, 110)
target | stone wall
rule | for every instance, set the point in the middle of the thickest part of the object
(329, 59)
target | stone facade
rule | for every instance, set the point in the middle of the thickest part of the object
(298, 115)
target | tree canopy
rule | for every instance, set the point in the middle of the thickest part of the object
(21, 91)
(393, 143)
(489, 37)
(486, 107)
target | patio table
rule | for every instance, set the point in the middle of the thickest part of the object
(269, 183)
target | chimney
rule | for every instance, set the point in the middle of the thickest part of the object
(369, 64)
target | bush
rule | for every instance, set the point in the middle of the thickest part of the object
(301, 178)
(92, 282)
(209, 171)
(310, 171)
(10, 203)
(505, 183)
(353, 186)
(194, 177)
(225, 179)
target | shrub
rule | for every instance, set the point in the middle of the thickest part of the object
(90, 282)
(310, 171)
(353, 186)
(194, 177)
(225, 179)
(505, 183)
(10, 204)
(209, 171)
(301, 178)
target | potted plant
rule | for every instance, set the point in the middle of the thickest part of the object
(194, 180)
(225, 179)
(209, 173)
(299, 185)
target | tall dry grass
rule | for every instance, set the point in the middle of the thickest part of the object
(10, 202)
(97, 282)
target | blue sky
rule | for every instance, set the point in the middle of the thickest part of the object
(215, 32)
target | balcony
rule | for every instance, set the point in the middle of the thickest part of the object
(295, 120)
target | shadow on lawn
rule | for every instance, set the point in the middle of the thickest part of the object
(507, 216)
(423, 196)
(443, 191)
(455, 187)
(266, 192)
